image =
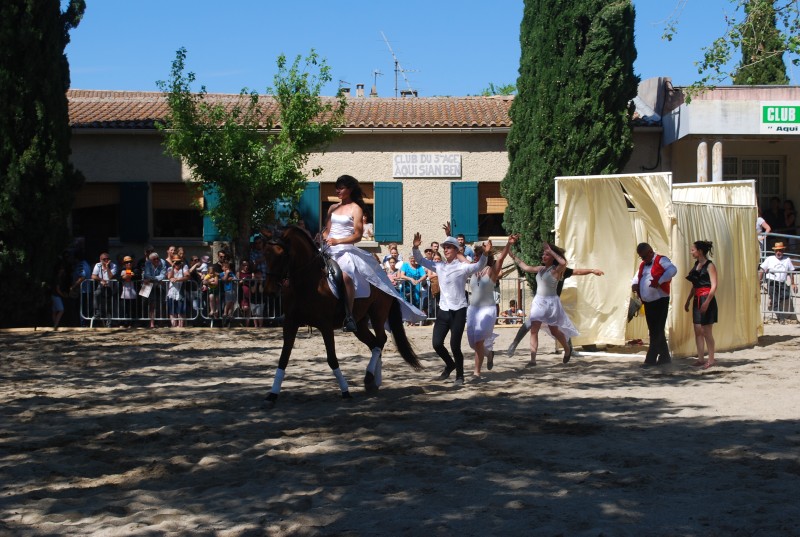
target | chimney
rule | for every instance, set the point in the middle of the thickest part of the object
(345, 91)
(359, 90)
(408, 93)
(373, 92)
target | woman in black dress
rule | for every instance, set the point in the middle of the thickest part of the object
(704, 304)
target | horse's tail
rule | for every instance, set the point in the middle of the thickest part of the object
(400, 338)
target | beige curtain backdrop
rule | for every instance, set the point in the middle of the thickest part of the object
(735, 253)
(601, 219)
(724, 193)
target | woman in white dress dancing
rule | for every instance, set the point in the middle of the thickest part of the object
(546, 308)
(344, 229)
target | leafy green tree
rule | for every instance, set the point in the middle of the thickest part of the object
(251, 150)
(37, 181)
(762, 53)
(502, 89)
(572, 112)
(741, 34)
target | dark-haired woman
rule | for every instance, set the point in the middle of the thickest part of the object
(546, 308)
(704, 304)
(344, 229)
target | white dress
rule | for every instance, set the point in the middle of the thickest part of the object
(364, 270)
(547, 307)
(482, 311)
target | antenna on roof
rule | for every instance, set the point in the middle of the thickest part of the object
(375, 74)
(398, 69)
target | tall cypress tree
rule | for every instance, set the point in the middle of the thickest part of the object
(37, 181)
(572, 112)
(762, 48)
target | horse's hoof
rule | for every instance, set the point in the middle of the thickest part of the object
(346, 395)
(271, 399)
(369, 383)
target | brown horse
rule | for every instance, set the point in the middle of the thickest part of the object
(297, 270)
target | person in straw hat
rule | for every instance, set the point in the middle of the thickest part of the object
(778, 270)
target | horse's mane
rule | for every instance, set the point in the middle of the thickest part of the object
(297, 234)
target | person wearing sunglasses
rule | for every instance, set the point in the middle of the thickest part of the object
(103, 274)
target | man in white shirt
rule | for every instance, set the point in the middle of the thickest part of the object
(652, 284)
(778, 269)
(452, 314)
(103, 274)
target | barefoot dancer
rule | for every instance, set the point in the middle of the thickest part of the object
(546, 308)
(704, 304)
(482, 310)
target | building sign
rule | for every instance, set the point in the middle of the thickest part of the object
(780, 117)
(438, 165)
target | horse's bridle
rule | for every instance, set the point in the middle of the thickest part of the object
(286, 274)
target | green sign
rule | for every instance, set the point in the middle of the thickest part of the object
(780, 114)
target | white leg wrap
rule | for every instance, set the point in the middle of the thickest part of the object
(374, 366)
(373, 361)
(276, 384)
(340, 378)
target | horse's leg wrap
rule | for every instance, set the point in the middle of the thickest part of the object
(374, 366)
(342, 382)
(276, 384)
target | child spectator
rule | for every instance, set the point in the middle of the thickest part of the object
(257, 298)
(227, 281)
(211, 286)
(513, 315)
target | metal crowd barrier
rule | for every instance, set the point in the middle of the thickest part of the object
(194, 305)
(778, 301)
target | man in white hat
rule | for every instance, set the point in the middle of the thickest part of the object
(778, 269)
(452, 313)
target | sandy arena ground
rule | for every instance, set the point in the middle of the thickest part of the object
(165, 432)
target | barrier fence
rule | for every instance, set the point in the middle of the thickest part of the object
(244, 303)
(134, 304)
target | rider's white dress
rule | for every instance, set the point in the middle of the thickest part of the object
(363, 268)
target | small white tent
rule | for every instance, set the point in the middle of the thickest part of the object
(601, 219)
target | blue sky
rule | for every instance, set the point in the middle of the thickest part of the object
(446, 47)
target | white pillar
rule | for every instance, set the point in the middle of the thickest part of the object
(702, 162)
(716, 162)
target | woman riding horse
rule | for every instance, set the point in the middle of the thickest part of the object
(307, 298)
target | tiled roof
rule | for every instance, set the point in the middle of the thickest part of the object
(142, 110)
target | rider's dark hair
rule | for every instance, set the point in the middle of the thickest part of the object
(356, 194)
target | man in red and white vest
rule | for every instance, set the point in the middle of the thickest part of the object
(651, 283)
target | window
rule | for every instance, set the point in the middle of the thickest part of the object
(96, 211)
(767, 173)
(176, 211)
(491, 207)
(477, 209)
(328, 197)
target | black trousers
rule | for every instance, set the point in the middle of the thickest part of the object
(452, 321)
(656, 316)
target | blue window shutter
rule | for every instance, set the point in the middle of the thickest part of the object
(133, 212)
(210, 231)
(389, 212)
(308, 207)
(464, 209)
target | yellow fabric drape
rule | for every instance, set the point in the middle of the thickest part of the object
(598, 230)
(724, 193)
(735, 254)
(600, 220)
